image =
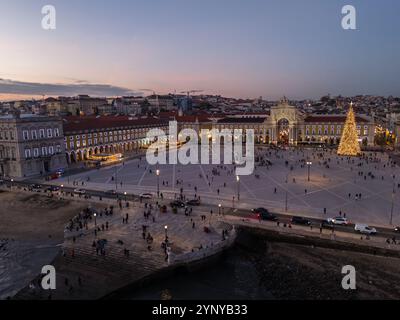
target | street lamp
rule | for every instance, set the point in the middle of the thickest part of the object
(166, 234)
(95, 220)
(219, 209)
(158, 182)
(238, 187)
(392, 207)
(125, 195)
(309, 164)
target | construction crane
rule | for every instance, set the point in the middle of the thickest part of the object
(191, 91)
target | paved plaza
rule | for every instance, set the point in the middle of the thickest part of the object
(334, 184)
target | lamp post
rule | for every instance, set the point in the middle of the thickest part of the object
(219, 209)
(125, 195)
(116, 183)
(238, 187)
(392, 207)
(95, 220)
(158, 182)
(166, 234)
(309, 164)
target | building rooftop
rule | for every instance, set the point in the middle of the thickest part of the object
(243, 120)
(333, 118)
(75, 123)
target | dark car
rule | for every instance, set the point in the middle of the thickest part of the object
(111, 192)
(36, 187)
(53, 188)
(264, 214)
(193, 202)
(327, 224)
(301, 220)
(177, 204)
(397, 229)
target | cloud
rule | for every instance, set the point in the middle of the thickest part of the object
(79, 87)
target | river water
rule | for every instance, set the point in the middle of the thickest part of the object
(233, 276)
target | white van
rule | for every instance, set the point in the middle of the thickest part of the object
(363, 228)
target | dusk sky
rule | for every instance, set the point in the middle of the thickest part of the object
(237, 48)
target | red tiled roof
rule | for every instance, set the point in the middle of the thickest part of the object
(324, 119)
(243, 120)
(74, 123)
(194, 118)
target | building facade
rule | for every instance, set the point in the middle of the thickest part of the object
(30, 145)
(86, 136)
(285, 125)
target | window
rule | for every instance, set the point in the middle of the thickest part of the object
(41, 133)
(25, 134)
(58, 148)
(36, 152)
(332, 129)
(90, 142)
(27, 153)
(49, 133)
(111, 139)
(51, 150)
(44, 151)
(366, 130)
(71, 138)
(34, 134)
(56, 132)
(95, 141)
(339, 129)
(78, 144)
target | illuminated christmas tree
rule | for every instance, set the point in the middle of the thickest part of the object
(349, 145)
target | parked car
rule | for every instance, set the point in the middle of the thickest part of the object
(397, 229)
(193, 202)
(327, 225)
(111, 192)
(177, 204)
(264, 214)
(146, 196)
(53, 188)
(79, 191)
(301, 220)
(36, 187)
(363, 228)
(338, 221)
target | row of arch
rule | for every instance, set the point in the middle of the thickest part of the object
(84, 153)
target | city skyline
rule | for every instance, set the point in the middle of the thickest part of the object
(235, 49)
